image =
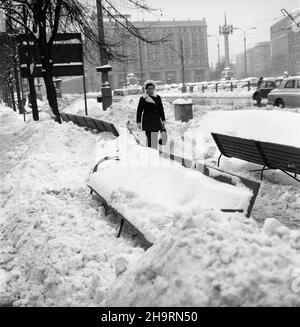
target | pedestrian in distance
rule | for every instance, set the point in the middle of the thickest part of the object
(286, 74)
(257, 95)
(259, 83)
(150, 115)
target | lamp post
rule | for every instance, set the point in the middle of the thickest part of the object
(245, 44)
(218, 44)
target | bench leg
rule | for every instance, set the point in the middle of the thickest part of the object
(219, 159)
(262, 173)
(121, 227)
(261, 170)
(294, 177)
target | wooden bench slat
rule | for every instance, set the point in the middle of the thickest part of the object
(271, 156)
(81, 121)
(281, 154)
(280, 148)
(90, 122)
(230, 148)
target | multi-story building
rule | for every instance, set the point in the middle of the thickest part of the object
(258, 61)
(160, 61)
(262, 59)
(285, 47)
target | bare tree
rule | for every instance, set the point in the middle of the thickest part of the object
(7, 67)
(46, 18)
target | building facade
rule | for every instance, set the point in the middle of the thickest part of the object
(160, 61)
(258, 61)
(285, 47)
(262, 59)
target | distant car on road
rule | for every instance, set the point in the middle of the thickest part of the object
(287, 95)
(119, 94)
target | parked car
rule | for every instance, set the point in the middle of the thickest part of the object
(266, 87)
(287, 95)
(119, 94)
(123, 92)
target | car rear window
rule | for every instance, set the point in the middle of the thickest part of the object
(270, 84)
(298, 84)
(290, 84)
(118, 93)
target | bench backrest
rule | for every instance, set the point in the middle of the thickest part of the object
(91, 123)
(282, 157)
(239, 148)
(272, 155)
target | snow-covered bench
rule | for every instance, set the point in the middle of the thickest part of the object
(148, 198)
(221, 176)
(269, 155)
(91, 123)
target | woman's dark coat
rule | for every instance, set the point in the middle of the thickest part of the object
(150, 114)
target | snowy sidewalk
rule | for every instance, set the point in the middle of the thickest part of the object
(56, 246)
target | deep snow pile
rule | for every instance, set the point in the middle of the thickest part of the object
(143, 184)
(56, 246)
(208, 259)
(279, 195)
(264, 125)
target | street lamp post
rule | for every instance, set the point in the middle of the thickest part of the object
(245, 45)
(218, 45)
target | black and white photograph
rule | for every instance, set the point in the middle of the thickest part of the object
(149, 156)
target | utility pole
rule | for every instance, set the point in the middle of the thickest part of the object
(245, 45)
(105, 68)
(245, 50)
(182, 67)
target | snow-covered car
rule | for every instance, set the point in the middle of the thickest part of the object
(121, 93)
(287, 95)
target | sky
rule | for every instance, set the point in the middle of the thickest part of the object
(240, 13)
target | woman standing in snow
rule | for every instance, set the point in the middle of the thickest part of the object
(150, 114)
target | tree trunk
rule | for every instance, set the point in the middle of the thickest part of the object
(47, 68)
(35, 111)
(7, 99)
(51, 94)
(17, 79)
(12, 96)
